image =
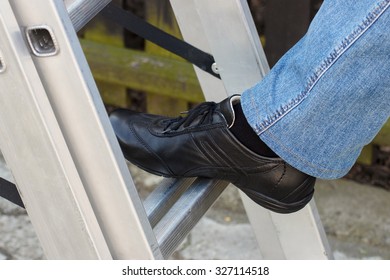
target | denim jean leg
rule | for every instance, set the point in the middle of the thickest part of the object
(330, 94)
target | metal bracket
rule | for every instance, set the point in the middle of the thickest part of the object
(42, 40)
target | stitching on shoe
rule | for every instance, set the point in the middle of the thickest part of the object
(303, 188)
(234, 167)
(283, 175)
(150, 151)
(215, 147)
(261, 160)
(188, 130)
(210, 149)
(231, 164)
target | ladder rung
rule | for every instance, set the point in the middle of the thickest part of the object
(158, 203)
(186, 212)
(82, 11)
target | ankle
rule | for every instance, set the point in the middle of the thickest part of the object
(247, 136)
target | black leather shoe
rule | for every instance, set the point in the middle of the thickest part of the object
(201, 145)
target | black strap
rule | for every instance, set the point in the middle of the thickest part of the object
(151, 33)
(9, 191)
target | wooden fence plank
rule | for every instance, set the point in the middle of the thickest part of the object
(383, 138)
(103, 31)
(160, 14)
(142, 71)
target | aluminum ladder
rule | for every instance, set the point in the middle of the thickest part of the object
(60, 147)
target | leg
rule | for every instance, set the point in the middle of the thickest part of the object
(329, 95)
(142, 136)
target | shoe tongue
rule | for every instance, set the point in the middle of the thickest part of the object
(226, 108)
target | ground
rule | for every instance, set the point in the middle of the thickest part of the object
(355, 218)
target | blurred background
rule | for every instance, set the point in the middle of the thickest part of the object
(133, 73)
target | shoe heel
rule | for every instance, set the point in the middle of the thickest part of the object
(302, 196)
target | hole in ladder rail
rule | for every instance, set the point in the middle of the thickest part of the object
(42, 41)
(2, 64)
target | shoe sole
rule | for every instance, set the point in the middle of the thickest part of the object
(262, 200)
(278, 206)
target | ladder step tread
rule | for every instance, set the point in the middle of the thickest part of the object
(171, 230)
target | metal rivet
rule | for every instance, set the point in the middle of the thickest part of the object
(42, 41)
(215, 68)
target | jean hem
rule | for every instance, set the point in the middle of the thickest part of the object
(326, 64)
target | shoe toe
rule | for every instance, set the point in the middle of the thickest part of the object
(120, 120)
(127, 126)
(131, 128)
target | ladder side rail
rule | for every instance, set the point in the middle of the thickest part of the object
(83, 120)
(35, 150)
(233, 32)
(299, 235)
(191, 28)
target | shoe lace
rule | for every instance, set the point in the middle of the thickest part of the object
(204, 110)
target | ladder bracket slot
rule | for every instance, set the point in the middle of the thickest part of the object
(42, 41)
(3, 66)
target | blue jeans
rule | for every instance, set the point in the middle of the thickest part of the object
(330, 94)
